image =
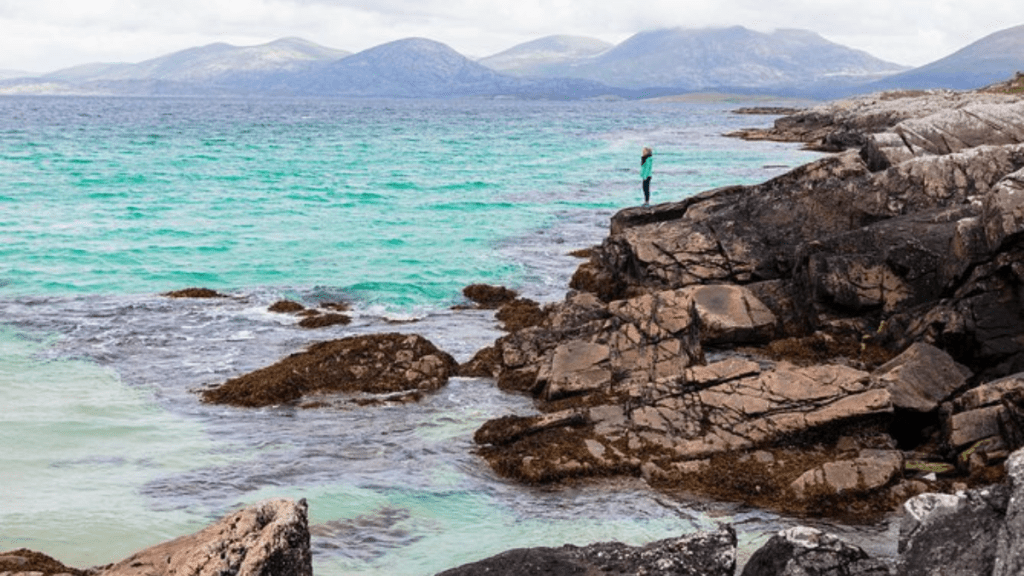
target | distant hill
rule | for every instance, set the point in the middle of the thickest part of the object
(726, 59)
(8, 74)
(994, 58)
(406, 68)
(545, 56)
(207, 63)
(417, 67)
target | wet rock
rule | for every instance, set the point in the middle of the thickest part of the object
(520, 313)
(380, 363)
(486, 363)
(801, 551)
(325, 320)
(489, 297)
(194, 293)
(922, 377)
(703, 554)
(268, 539)
(286, 307)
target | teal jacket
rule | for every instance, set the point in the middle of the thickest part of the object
(645, 167)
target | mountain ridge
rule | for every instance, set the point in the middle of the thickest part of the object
(993, 58)
(786, 62)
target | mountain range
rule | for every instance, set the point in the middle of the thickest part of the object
(651, 63)
(992, 59)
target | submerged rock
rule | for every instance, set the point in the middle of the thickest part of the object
(325, 320)
(489, 297)
(378, 364)
(286, 307)
(194, 293)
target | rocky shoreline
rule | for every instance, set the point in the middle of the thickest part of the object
(830, 343)
(843, 341)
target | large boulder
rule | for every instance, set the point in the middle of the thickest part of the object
(267, 539)
(952, 535)
(802, 551)
(378, 363)
(731, 315)
(922, 377)
(700, 554)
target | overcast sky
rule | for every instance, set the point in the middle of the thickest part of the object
(44, 35)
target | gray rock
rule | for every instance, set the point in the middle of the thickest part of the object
(1010, 541)
(870, 114)
(975, 125)
(803, 551)
(701, 554)
(921, 377)
(870, 471)
(731, 315)
(577, 367)
(944, 535)
(975, 415)
(1003, 211)
(977, 532)
(267, 539)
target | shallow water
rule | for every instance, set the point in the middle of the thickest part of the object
(391, 205)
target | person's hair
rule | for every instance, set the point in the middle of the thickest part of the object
(646, 152)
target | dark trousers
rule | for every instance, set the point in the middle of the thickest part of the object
(647, 190)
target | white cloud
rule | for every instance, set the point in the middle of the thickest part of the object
(48, 34)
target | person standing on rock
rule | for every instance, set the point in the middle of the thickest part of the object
(646, 164)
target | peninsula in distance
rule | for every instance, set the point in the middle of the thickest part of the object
(737, 60)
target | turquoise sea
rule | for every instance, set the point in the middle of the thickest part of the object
(392, 205)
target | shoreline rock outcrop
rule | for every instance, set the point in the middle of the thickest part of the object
(972, 532)
(743, 342)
